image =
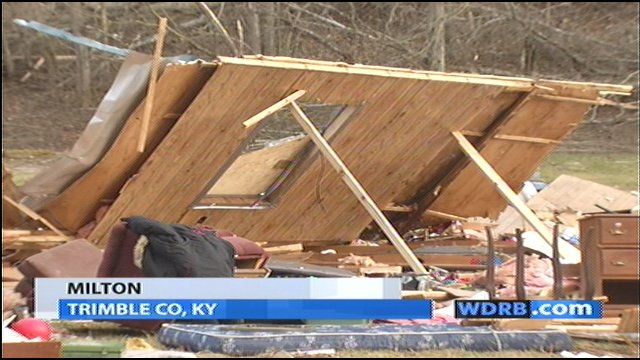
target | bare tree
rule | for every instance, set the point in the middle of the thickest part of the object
(83, 60)
(438, 35)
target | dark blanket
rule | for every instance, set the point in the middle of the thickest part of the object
(181, 251)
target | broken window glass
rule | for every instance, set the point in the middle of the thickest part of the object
(267, 157)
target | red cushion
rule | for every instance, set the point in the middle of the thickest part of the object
(245, 249)
(117, 260)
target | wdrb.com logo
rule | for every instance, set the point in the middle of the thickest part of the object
(528, 309)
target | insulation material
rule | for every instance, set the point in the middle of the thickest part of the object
(125, 93)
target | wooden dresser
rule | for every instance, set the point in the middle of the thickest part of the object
(610, 251)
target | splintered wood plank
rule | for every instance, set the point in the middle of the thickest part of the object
(77, 204)
(273, 108)
(151, 89)
(32, 214)
(284, 249)
(6, 233)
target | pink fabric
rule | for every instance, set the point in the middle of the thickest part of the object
(538, 277)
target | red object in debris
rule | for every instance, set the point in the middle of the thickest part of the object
(33, 328)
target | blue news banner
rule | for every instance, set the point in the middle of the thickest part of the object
(269, 299)
(225, 299)
(243, 309)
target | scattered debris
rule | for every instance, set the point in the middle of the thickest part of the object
(442, 253)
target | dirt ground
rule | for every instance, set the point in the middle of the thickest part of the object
(34, 117)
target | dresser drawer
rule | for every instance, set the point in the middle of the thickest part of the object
(619, 230)
(620, 262)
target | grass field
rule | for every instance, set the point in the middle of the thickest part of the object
(619, 170)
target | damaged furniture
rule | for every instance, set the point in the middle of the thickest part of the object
(611, 250)
(75, 259)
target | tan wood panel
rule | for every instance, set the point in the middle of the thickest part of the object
(400, 132)
(311, 217)
(77, 204)
(209, 132)
(281, 215)
(160, 165)
(253, 172)
(471, 194)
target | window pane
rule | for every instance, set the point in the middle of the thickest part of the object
(268, 156)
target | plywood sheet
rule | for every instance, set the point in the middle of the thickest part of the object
(252, 173)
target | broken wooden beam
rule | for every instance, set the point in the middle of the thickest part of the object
(332, 157)
(9, 233)
(151, 89)
(284, 248)
(445, 215)
(597, 102)
(567, 251)
(34, 242)
(32, 214)
(428, 193)
(398, 208)
(378, 270)
(511, 137)
(273, 108)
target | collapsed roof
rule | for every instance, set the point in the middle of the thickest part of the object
(393, 128)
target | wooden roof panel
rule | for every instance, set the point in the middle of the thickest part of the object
(396, 142)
